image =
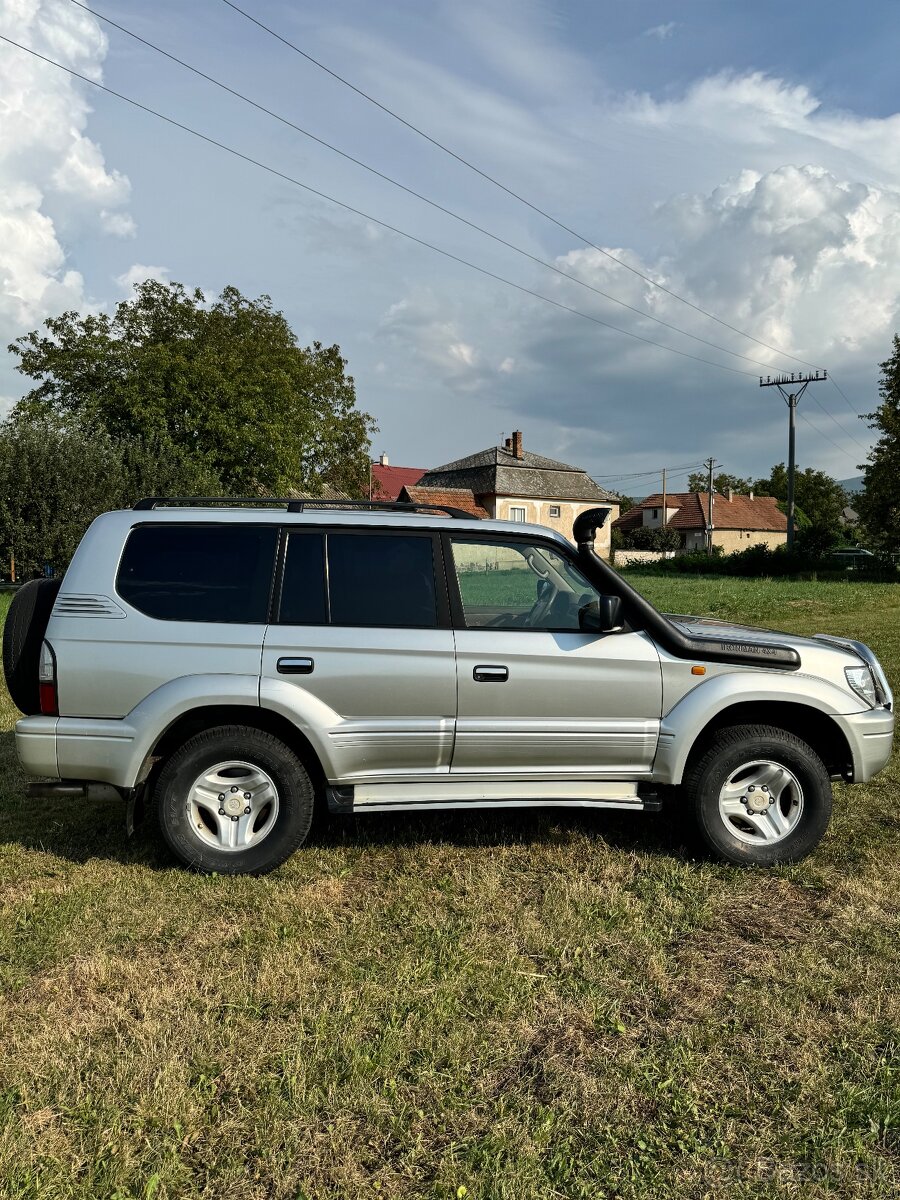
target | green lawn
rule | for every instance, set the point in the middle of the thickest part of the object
(459, 1005)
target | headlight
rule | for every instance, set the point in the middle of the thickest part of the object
(863, 683)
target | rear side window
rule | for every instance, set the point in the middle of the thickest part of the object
(303, 589)
(381, 579)
(199, 572)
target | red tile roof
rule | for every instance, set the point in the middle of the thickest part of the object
(761, 514)
(452, 497)
(388, 482)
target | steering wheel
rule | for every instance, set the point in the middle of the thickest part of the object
(546, 594)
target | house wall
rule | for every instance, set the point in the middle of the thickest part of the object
(741, 539)
(649, 521)
(537, 512)
(732, 540)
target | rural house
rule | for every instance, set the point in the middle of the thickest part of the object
(513, 484)
(738, 521)
(387, 482)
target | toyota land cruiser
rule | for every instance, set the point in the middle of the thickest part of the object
(240, 662)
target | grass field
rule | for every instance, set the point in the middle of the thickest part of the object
(485, 1006)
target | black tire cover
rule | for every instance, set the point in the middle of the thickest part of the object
(26, 624)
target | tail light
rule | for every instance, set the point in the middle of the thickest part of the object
(47, 682)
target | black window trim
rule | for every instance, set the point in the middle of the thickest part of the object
(194, 524)
(494, 536)
(442, 600)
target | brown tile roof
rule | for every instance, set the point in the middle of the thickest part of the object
(388, 482)
(453, 497)
(761, 514)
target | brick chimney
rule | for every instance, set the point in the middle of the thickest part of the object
(383, 460)
(729, 492)
(751, 495)
(517, 447)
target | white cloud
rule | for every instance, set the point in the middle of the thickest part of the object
(662, 32)
(47, 163)
(138, 272)
(801, 258)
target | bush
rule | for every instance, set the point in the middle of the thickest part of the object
(761, 561)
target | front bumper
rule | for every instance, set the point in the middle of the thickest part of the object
(870, 735)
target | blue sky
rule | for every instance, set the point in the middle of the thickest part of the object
(746, 156)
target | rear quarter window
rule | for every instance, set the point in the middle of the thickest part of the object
(199, 572)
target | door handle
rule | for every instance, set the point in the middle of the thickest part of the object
(487, 674)
(295, 666)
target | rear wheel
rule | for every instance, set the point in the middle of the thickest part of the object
(760, 796)
(234, 800)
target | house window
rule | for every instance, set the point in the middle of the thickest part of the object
(516, 514)
(656, 514)
(554, 510)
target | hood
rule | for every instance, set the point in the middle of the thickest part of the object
(709, 627)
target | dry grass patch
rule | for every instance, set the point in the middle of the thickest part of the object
(520, 1005)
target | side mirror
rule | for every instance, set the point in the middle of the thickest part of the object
(604, 615)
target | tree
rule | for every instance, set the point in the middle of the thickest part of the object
(54, 481)
(879, 501)
(645, 538)
(225, 383)
(818, 498)
(699, 482)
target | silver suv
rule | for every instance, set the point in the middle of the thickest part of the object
(239, 663)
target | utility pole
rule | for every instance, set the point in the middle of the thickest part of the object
(710, 465)
(664, 514)
(798, 384)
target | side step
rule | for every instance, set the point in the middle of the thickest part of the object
(406, 797)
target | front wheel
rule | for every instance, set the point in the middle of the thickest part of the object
(234, 800)
(760, 796)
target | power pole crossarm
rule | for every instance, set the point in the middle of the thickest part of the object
(791, 390)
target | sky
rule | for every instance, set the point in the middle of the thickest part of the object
(744, 157)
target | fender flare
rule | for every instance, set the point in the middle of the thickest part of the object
(685, 722)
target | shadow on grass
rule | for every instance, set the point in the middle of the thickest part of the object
(651, 833)
(80, 830)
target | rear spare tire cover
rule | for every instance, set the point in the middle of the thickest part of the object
(23, 632)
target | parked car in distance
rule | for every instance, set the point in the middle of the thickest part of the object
(853, 557)
(240, 663)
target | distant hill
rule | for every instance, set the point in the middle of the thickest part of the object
(853, 485)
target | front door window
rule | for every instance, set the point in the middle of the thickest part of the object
(517, 585)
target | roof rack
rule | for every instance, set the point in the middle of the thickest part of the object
(294, 505)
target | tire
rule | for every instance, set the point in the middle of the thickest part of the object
(255, 771)
(23, 633)
(736, 810)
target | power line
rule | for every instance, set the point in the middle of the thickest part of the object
(816, 429)
(855, 411)
(655, 471)
(836, 422)
(503, 187)
(412, 192)
(367, 217)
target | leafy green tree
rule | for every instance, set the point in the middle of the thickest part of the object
(225, 383)
(645, 538)
(699, 482)
(879, 501)
(55, 480)
(820, 499)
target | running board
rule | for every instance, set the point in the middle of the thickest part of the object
(405, 797)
